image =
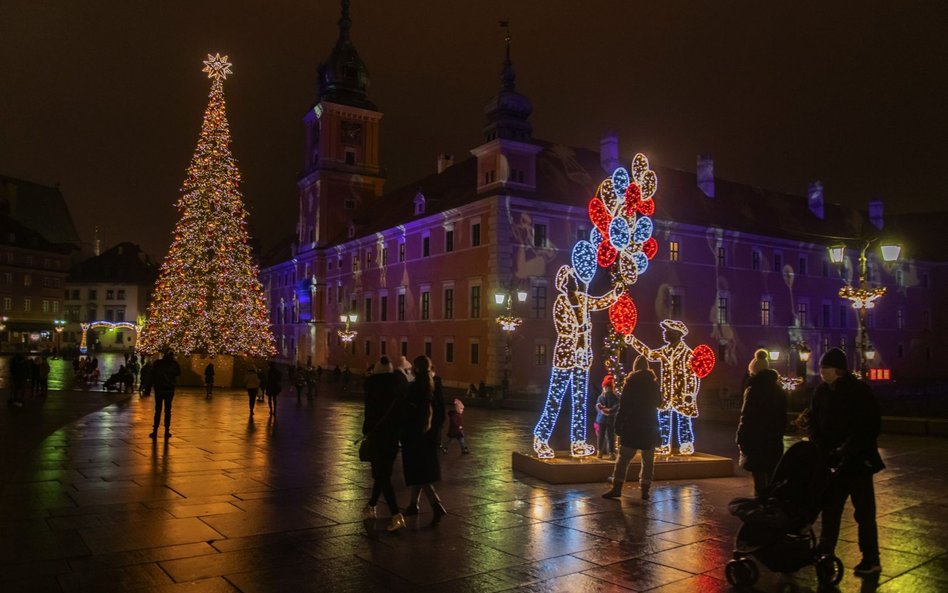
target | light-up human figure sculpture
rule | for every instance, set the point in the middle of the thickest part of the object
(572, 358)
(681, 372)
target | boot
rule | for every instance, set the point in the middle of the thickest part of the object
(645, 489)
(397, 522)
(439, 511)
(615, 492)
(412, 509)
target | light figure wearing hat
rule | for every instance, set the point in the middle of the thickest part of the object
(572, 358)
(679, 385)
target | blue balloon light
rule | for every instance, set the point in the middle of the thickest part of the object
(641, 262)
(643, 230)
(620, 181)
(619, 233)
(583, 259)
(595, 237)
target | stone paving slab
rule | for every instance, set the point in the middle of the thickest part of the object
(274, 504)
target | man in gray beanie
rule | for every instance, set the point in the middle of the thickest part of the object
(844, 424)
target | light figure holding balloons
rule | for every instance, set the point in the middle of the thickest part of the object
(681, 371)
(572, 358)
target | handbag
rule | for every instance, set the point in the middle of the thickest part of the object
(365, 451)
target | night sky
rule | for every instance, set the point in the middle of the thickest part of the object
(106, 98)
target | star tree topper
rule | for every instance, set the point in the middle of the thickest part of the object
(217, 66)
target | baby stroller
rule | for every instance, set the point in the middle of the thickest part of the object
(777, 528)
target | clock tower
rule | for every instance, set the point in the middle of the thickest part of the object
(341, 174)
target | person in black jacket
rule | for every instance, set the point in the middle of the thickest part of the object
(421, 438)
(637, 427)
(384, 396)
(273, 386)
(844, 422)
(164, 377)
(762, 424)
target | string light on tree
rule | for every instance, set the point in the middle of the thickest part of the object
(208, 298)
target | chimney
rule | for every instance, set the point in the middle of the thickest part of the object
(609, 151)
(444, 161)
(706, 174)
(814, 198)
(875, 214)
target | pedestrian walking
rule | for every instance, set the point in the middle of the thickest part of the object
(456, 426)
(273, 386)
(299, 382)
(385, 393)
(637, 427)
(262, 376)
(43, 377)
(844, 422)
(312, 381)
(209, 379)
(252, 385)
(607, 405)
(144, 385)
(420, 436)
(164, 377)
(762, 424)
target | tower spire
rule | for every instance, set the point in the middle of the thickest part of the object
(508, 111)
(507, 77)
(345, 23)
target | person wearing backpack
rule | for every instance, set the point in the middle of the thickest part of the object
(164, 377)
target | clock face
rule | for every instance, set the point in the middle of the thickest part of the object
(351, 132)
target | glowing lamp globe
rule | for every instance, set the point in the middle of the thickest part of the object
(890, 251)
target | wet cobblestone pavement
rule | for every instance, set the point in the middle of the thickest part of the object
(274, 504)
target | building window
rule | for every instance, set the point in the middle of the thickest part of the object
(383, 256)
(355, 262)
(383, 308)
(27, 305)
(801, 269)
(539, 235)
(45, 306)
(674, 302)
(425, 246)
(449, 241)
(110, 295)
(120, 294)
(7, 304)
(827, 321)
(426, 305)
(722, 257)
(27, 280)
(722, 309)
(673, 254)
(539, 354)
(842, 315)
(449, 303)
(403, 347)
(475, 302)
(401, 308)
(475, 353)
(765, 312)
(449, 351)
(802, 314)
(368, 309)
(755, 260)
(55, 306)
(900, 318)
(539, 302)
(428, 347)
(778, 262)
(401, 251)
(368, 348)
(475, 234)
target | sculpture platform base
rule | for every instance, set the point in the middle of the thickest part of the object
(564, 469)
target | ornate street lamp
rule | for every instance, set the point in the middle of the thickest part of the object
(862, 296)
(508, 324)
(346, 334)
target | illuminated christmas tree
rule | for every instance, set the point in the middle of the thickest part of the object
(208, 298)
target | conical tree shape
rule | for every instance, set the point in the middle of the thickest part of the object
(208, 298)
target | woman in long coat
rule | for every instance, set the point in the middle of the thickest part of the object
(384, 395)
(421, 438)
(763, 420)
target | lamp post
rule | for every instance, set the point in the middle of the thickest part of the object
(862, 296)
(59, 325)
(346, 334)
(508, 324)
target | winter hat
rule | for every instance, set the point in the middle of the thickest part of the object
(834, 359)
(759, 363)
(609, 382)
(640, 363)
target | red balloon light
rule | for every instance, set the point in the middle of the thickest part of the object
(623, 314)
(647, 207)
(702, 360)
(599, 215)
(650, 247)
(606, 254)
(633, 196)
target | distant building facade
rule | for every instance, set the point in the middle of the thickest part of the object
(114, 286)
(744, 268)
(37, 243)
